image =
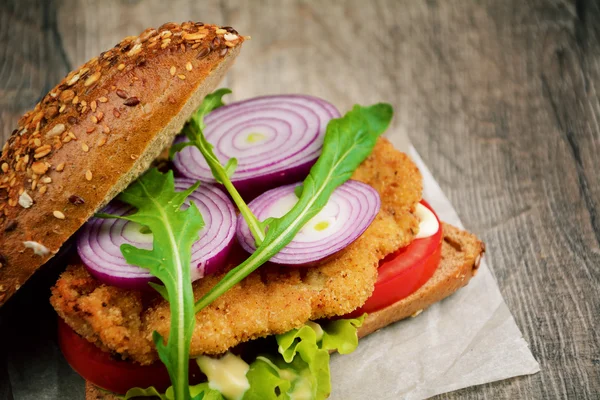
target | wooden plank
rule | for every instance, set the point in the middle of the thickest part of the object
(499, 97)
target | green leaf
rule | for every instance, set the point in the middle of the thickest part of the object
(231, 166)
(177, 147)
(160, 289)
(340, 334)
(348, 141)
(197, 392)
(302, 365)
(194, 132)
(298, 190)
(174, 231)
(211, 102)
(148, 392)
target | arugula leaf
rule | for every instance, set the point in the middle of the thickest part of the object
(348, 141)
(174, 230)
(194, 132)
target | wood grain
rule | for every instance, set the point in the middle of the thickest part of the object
(499, 97)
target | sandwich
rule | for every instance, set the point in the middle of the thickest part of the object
(275, 232)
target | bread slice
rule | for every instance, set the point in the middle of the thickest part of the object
(461, 255)
(96, 132)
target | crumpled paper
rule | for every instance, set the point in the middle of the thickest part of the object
(467, 339)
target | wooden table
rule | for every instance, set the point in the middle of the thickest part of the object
(499, 97)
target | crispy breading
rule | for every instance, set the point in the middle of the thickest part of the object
(271, 300)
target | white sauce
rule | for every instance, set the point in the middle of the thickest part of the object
(226, 374)
(429, 224)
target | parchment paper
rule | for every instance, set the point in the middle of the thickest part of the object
(467, 339)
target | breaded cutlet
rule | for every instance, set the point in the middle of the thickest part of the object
(272, 300)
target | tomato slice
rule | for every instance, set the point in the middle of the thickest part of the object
(403, 272)
(109, 373)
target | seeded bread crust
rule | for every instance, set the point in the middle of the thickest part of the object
(461, 255)
(97, 131)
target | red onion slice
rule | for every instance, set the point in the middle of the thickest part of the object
(99, 241)
(276, 139)
(348, 213)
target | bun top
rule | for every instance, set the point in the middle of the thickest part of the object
(97, 131)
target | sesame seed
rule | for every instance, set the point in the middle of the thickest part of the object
(83, 103)
(88, 175)
(121, 93)
(90, 129)
(34, 184)
(58, 214)
(46, 179)
(181, 76)
(116, 113)
(100, 115)
(72, 135)
(67, 139)
(220, 31)
(73, 80)
(188, 66)
(75, 100)
(102, 99)
(43, 189)
(102, 141)
(85, 147)
(62, 108)
(173, 70)
(121, 67)
(37, 142)
(92, 79)
(135, 50)
(4, 167)
(106, 129)
(42, 153)
(94, 119)
(93, 105)
(60, 167)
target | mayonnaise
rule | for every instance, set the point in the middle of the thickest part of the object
(429, 224)
(226, 374)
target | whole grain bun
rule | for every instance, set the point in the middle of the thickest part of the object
(97, 131)
(461, 255)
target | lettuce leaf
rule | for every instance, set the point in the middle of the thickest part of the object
(301, 369)
(198, 392)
